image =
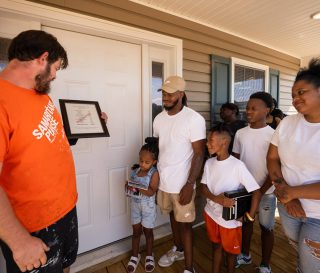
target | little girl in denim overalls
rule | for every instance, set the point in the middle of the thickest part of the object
(142, 187)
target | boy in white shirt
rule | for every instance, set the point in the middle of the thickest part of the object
(251, 146)
(225, 173)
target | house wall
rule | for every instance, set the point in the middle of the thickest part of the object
(198, 43)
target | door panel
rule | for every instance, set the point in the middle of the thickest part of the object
(109, 72)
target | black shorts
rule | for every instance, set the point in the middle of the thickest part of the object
(61, 237)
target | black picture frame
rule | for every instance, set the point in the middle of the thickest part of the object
(82, 119)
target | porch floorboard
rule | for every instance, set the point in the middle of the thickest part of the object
(283, 258)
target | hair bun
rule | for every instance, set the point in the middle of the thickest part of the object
(314, 66)
(152, 140)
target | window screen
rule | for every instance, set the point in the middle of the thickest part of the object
(247, 80)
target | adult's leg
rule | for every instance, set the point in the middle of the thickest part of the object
(309, 246)
(267, 210)
(176, 232)
(187, 241)
(291, 226)
(217, 257)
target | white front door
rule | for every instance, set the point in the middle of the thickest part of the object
(109, 72)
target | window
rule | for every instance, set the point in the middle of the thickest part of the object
(247, 78)
(234, 80)
(4, 44)
(157, 81)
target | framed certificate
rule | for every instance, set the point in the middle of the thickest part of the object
(82, 119)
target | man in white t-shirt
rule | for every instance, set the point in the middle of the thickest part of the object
(251, 146)
(182, 135)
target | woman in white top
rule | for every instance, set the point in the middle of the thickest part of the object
(294, 167)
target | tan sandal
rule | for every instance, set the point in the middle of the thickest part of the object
(149, 264)
(133, 262)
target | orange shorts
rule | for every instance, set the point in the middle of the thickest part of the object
(229, 238)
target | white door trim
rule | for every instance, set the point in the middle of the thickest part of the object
(59, 18)
(41, 15)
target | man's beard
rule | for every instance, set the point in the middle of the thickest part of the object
(42, 83)
(168, 108)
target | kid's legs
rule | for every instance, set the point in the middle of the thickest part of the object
(137, 231)
(135, 258)
(217, 258)
(227, 239)
(148, 232)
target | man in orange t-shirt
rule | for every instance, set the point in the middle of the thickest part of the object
(38, 221)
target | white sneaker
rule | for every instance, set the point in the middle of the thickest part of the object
(264, 269)
(243, 259)
(170, 257)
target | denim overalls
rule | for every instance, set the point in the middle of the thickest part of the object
(143, 208)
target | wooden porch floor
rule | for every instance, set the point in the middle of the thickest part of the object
(283, 257)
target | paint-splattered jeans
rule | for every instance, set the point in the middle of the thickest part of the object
(267, 209)
(304, 235)
(61, 237)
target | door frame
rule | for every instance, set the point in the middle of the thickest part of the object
(39, 15)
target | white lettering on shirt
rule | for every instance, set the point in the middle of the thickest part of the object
(48, 126)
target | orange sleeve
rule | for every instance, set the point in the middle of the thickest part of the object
(4, 133)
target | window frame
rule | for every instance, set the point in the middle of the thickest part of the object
(237, 61)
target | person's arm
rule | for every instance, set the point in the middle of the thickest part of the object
(285, 193)
(28, 251)
(236, 146)
(293, 207)
(255, 201)
(219, 199)
(195, 169)
(266, 185)
(273, 164)
(153, 185)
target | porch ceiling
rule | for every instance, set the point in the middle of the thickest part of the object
(284, 25)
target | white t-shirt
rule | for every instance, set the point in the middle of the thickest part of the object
(226, 175)
(176, 134)
(252, 145)
(298, 143)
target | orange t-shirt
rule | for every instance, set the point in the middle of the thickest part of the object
(38, 172)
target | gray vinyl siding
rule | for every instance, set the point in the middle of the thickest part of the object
(199, 42)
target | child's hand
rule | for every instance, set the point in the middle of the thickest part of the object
(130, 188)
(225, 201)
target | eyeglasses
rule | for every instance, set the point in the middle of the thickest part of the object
(300, 92)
